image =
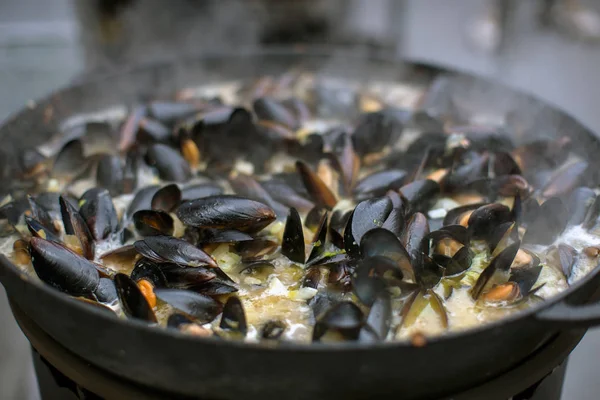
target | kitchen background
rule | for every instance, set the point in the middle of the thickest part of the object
(553, 56)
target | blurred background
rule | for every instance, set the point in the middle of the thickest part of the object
(550, 48)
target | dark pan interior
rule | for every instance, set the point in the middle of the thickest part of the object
(217, 369)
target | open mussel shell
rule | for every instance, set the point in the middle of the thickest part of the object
(282, 192)
(70, 161)
(379, 320)
(221, 236)
(417, 228)
(381, 242)
(141, 201)
(368, 214)
(497, 272)
(460, 215)
(486, 218)
(38, 230)
(150, 271)
(166, 198)
(420, 193)
(199, 307)
(246, 186)
(177, 277)
(40, 214)
(226, 212)
(376, 130)
(319, 241)
(233, 318)
(63, 269)
(343, 320)
(74, 224)
(368, 280)
(318, 190)
(98, 211)
(267, 108)
(133, 301)
(292, 245)
(153, 223)
(562, 257)
(170, 249)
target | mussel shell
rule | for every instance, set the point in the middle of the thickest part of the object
(269, 109)
(381, 242)
(170, 249)
(378, 183)
(221, 236)
(376, 130)
(292, 245)
(246, 186)
(319, 240)
(106, 292)
(42, 216)
(486, 218)
(38, 230)
(75, 225)
(453, 216)
(420, 193)
(344, 317)
(234, 317)
(367, 283)
(141, 201)
(496, 272)
(368, 214)
(98, 211)
(171, 166)
(70, 161)
(287, 195)
(318, 190)
(170, 112)
(416, 230)
(133, 302)
(379, 320)
(63, 269)
(109, 174)
(226, 212)
(166, 198)
(153, 223)
(177, 277)
(149, 270)
(525, 277)
(200, 307)
(565, 179)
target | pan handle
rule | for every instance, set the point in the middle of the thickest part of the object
(571, 316)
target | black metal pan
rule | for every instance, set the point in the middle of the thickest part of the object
(209, 368)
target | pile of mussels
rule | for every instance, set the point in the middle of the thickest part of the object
(370, 215)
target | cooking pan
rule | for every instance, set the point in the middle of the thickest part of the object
(212, 368)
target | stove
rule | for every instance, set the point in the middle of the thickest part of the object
(62, 374)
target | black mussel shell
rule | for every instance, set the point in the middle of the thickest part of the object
(171, 166)
(344, 318)
(497, 272)
(420, 193)
(376, 130)
(221, 236)
(416, 230)
(378, 183)
(133, 302)
(287, 195)
(109, 174)
(292, 245)
(318, 190)
(246, 186)
(525, 277)
(226, 212)
(269, 109)
(379, 320)
(455, 215)
(98, 211)
(319, 240)
(38, 230)
(368, 280)
(167, 198)
(177, 277)
(75, 225)
(149, 270)
(141, 201)
(170, 249)
(485, 219)
(368, 214)
(171, 112)
(381, 242)
(63, 269)
(70, 161)
(198, 306)
(234, 317)
(153, 223)
(106, 292)
(312, 277)
(256, 249)
(42, 216)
